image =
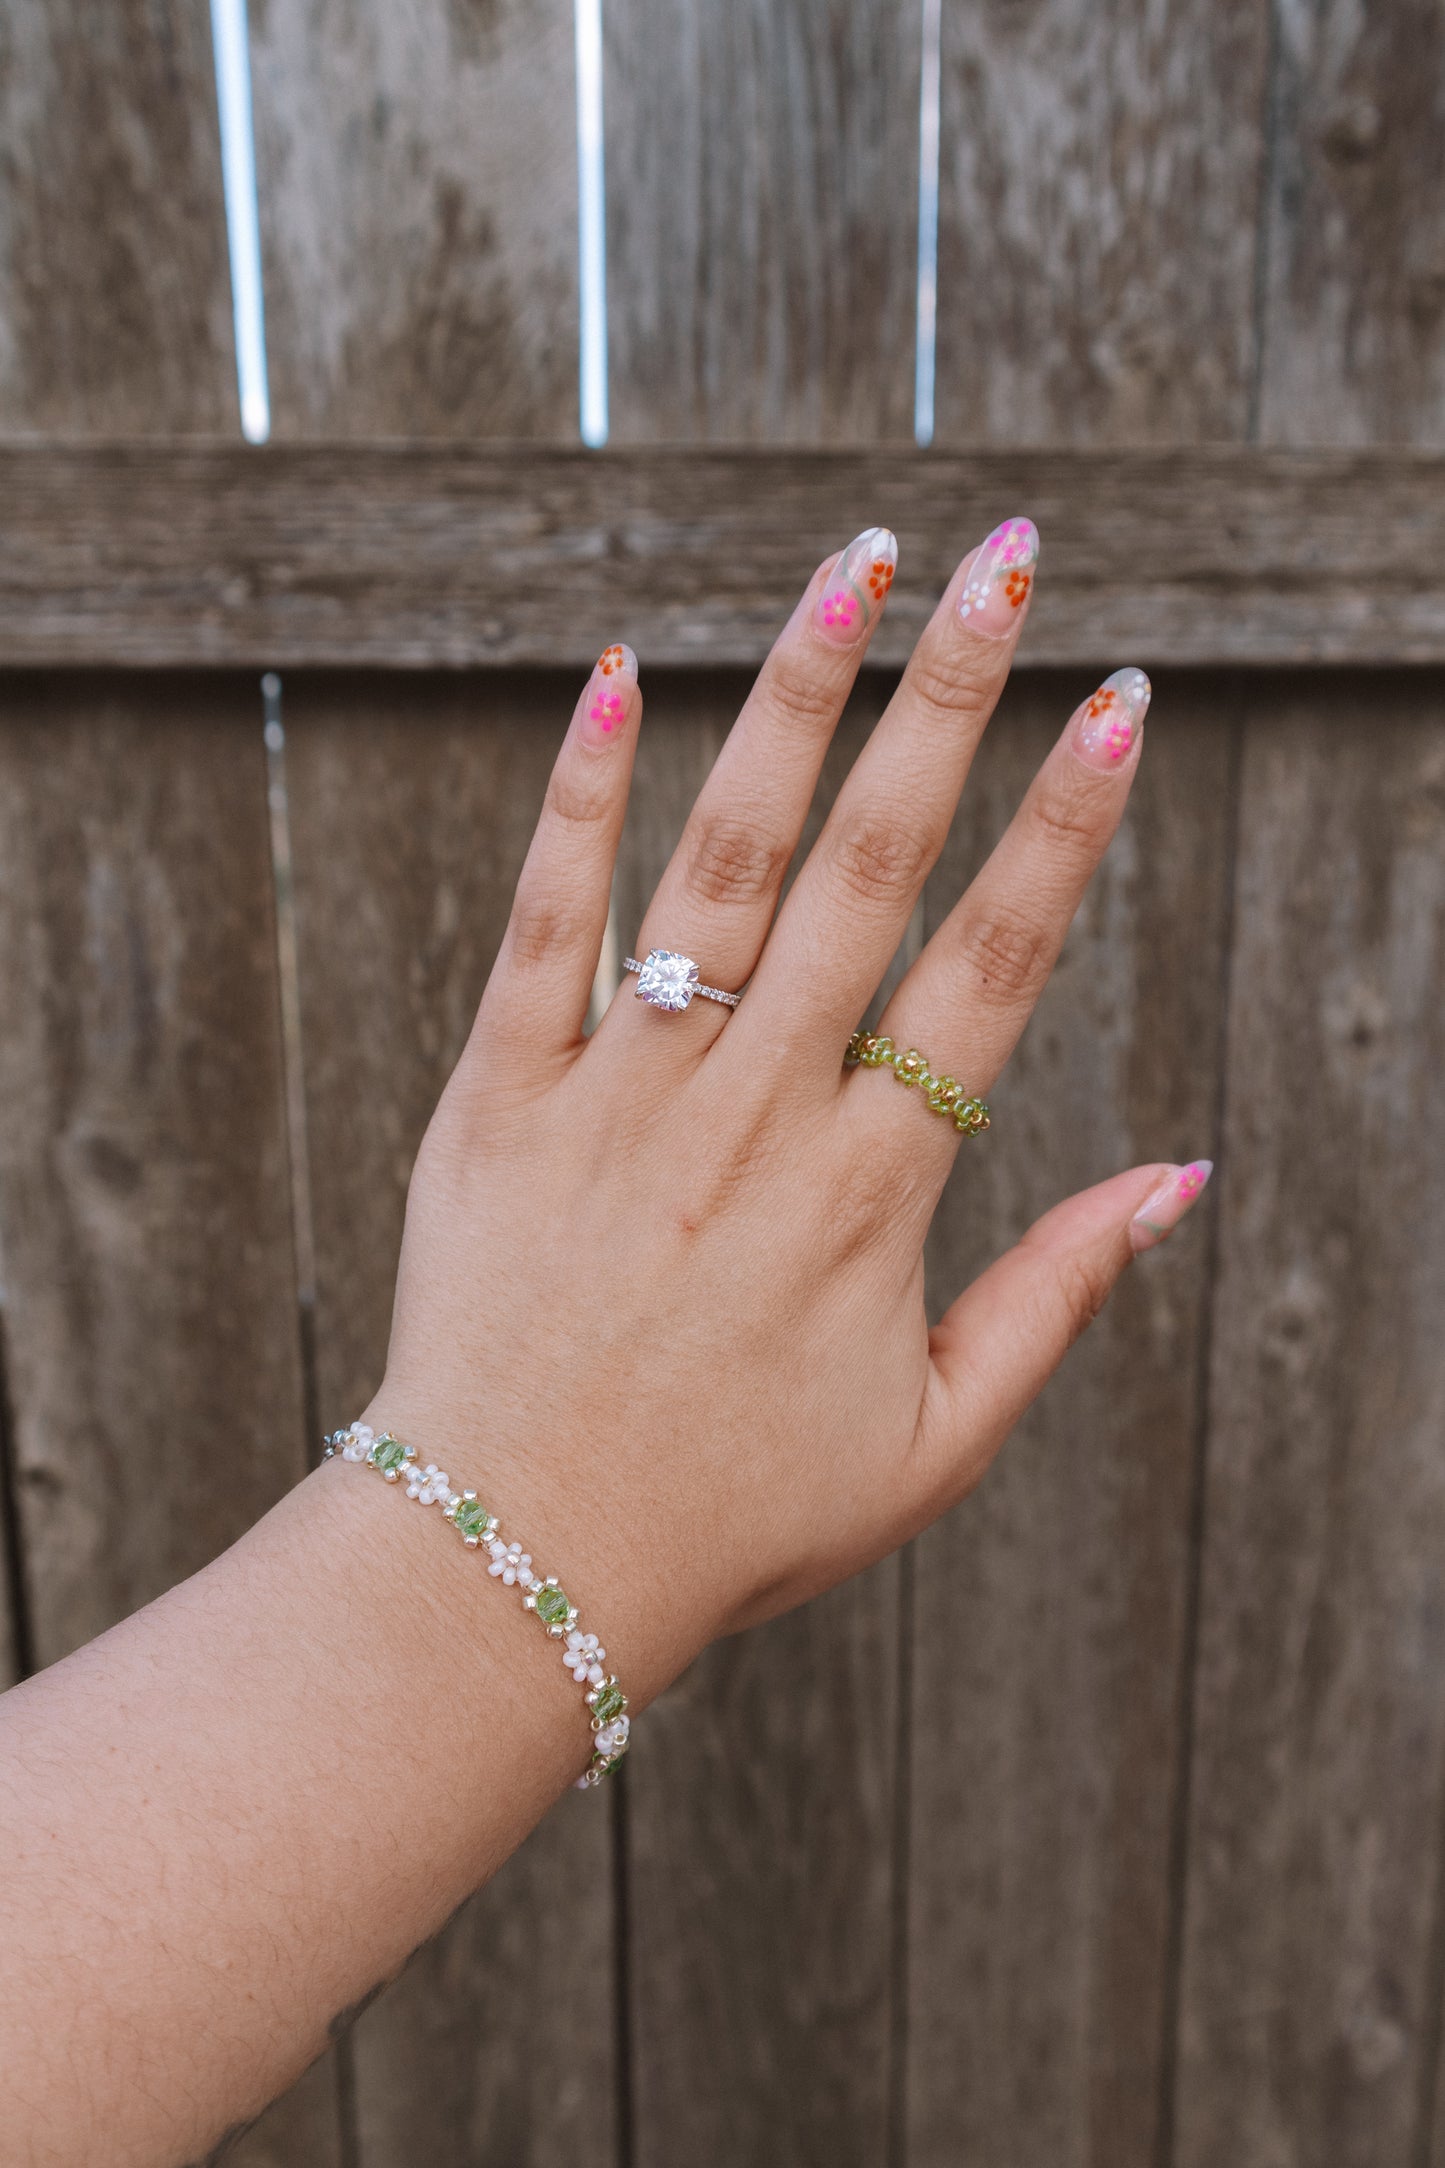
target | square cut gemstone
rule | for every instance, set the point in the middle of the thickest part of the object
(609, 1701)
(389, 1453)
(667, 979)
(552, 1606)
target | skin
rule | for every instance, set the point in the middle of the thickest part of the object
(199, 1809)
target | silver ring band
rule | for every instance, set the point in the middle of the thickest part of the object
(668, 980)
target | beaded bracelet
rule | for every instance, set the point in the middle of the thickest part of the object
(512, 1566)
(944, 1094)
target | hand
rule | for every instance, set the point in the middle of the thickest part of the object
(660, 1299)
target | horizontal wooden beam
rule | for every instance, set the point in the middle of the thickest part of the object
(421, 555)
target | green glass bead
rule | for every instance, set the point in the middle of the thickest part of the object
(878, 1053)
(472, 1518)
(608, 1702)
(552, 1606)
(909, 1067)
(388, 1454)
(945, 1094)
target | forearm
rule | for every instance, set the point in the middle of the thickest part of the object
(232, 1817)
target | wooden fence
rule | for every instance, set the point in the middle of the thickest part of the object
(1104, 1828)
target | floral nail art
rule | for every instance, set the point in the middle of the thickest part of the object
(606, 700)
(1160, 1214)
(1105, 727)
(857, 587)
(1000, 579)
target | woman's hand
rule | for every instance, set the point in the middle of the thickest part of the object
(661, 1290)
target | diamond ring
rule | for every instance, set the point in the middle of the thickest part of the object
(669, 981)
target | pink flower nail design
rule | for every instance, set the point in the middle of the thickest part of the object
(1000, 579)
(607, 698)
(1161, 1213)
(858, 587)
(1105, 727)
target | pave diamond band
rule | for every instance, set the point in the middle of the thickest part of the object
(479, 1529)
(669, 980)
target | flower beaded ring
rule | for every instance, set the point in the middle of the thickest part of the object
(942, 1093)
(512, 1566)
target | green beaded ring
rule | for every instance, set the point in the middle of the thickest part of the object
(943, 1094)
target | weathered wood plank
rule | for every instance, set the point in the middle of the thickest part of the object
(151, 1320)
(1098, 181)
(434, 556)
(1354, 302)
(411, 805)
(115, 298)
(1320, 1735)
(1051, 1606)
(762, 199)
(422, 556)
(761, 1812)
(417, 176)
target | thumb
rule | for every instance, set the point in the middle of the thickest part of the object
(1005, 1336)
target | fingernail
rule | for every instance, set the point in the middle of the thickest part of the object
(1000, 579)
(609, 690)
(1160, 1214)
(1106, 726)
(857, 587)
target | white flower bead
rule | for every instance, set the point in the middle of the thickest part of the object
(584, 1658)
(497, 1547)
(612, 1739)
(429, 1485)
(358, 1441)
(513, 1565)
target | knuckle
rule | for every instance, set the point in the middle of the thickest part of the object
(794, 688)
(731, 861)
(574, 801)
(1069, 820)
(540, 930)
(878, 856)
(1085, 1285)
(945, 682)
(1010, 956)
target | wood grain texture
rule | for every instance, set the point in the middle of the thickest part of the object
(762, 192)
(412, 802)
(760, 1805)
(1051, 1606)
(151, 1329)
(1320, 1750)
(1354, 303)
(425, 556)
(1099, 180)
(115, 297)
(146, 1215)
(418, 189)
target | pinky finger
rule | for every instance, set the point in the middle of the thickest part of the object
(542, 981)
(1005, 1336)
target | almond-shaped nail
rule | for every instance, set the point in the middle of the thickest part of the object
(1000, 579)
(1106, 727)
(609, 695)
(857, 587)
(1160, 1214)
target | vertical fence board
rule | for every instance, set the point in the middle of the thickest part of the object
(151, 1332)
(1098, 181)
(412, 803)
(1354, 303)
(115, 301)
(1050, 1607)
(418, 205)
(760, 1795)
(761, 233)
(417, 170)
(1320, 1754)
(762, 189)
